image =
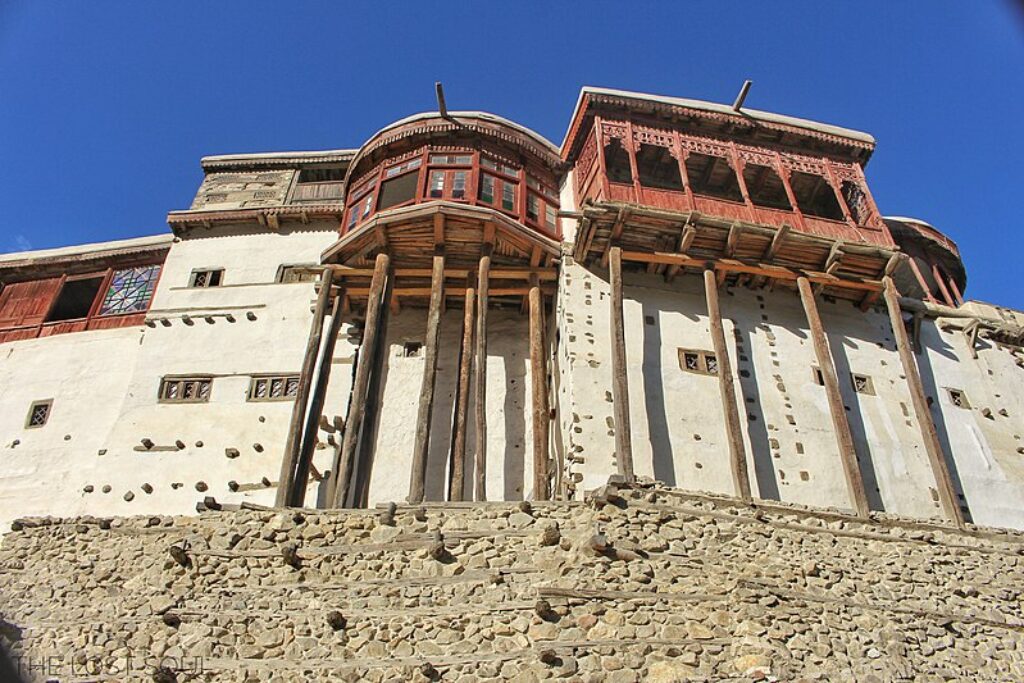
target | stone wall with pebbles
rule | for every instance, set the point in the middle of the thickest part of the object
(647, 584)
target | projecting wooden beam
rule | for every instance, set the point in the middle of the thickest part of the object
(840, 423)
(316, 404)
(686, 238)
(733, 239)
(936, 458)
(727, 388)
(421, 445)
(617, 227)
(776, 245)
(342, 470)
(620, 384)
(544, 274)
(539, 395)
(293, 444)
(457, 466)
(362, 292)
(734, 266)
(480, 379)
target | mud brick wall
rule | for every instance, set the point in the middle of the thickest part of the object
(642, 585)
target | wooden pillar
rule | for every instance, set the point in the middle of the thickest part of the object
(421, 446)
(293, 444)
(737, 167)
(912, 262)
(840, 423)
(342, 470)
(539, 392)
(620, 385)
(733, 432)
(457, 466)
(783, 172)
(936, 458)
(957, 295)
(316, 405)
(937, 274)
(480, 379)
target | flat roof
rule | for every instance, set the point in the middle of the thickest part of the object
(757, 115)
(276, 158)
(95, 249)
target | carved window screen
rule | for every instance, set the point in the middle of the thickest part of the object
(38, 414)
(185, 389)
(698, 361)
(273, 388)
(130, 290)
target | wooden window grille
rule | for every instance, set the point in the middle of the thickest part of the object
(206, 278)
(698, 361)
(304, 272)
(451, 159)
(274, 388)
(862, 384)
(185, 389)
(958, 398)
(38, 413)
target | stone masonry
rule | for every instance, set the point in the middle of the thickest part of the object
(645, 584)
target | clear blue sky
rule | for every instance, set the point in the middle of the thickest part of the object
(106, 107)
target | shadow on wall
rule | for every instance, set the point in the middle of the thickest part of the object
(658, 432)
(855, 418)
(753, 414)
(515, 425)
(931, 389)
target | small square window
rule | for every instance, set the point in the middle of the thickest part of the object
(862, 384)
(185, 389)
(38, 413)
(412, 349)
(700, 362)
(206, 278)
(819, 378)
(958, 398)
(273, 388)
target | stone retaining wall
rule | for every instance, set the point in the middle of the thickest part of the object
(649, 584)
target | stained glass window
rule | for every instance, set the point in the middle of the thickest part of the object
(130, 290)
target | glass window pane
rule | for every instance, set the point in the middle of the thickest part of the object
(487, 188)
(459, 185)
(130, 290)
(550, 217)
(437, 183)
(508, 196)
(532, 207)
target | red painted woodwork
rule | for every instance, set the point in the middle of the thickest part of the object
(27, 303)
(592, 182)
(477, 166)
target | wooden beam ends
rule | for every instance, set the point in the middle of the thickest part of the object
(726, 384)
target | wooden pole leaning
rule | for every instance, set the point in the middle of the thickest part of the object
(480, 379)
(936, 457)
(539, 393)
(342, 470)
(457, 466)
(316, 404)
(620, 384)
(290, 458)
(727, 388)
(421, 446)
(840, 423)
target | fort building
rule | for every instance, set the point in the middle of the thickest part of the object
(460, 310)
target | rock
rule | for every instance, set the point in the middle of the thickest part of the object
(669, 672)
(747, 664)
(384, 534)
(698, 631)
(518, 520)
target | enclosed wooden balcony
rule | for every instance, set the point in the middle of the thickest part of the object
(665, 169)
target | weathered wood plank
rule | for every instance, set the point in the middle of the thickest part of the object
(936, 457)
(539, 394)
(480, 378)
(620, 385)
(840, 423)
(457, 466)
(421, 445)
(293, 445)
(734, 434)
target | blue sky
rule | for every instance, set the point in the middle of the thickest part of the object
(106, 107)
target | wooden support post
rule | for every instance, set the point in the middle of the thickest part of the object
(342, 471)
(316, 405)
(737, 452)
(947, 297)
(421, 446)
(293, 444)
(686, 238)
(620, 385)
(480, 379)
(936, 458)
(957, 296)
(840, 423)
(457, 466)
(539, 393)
